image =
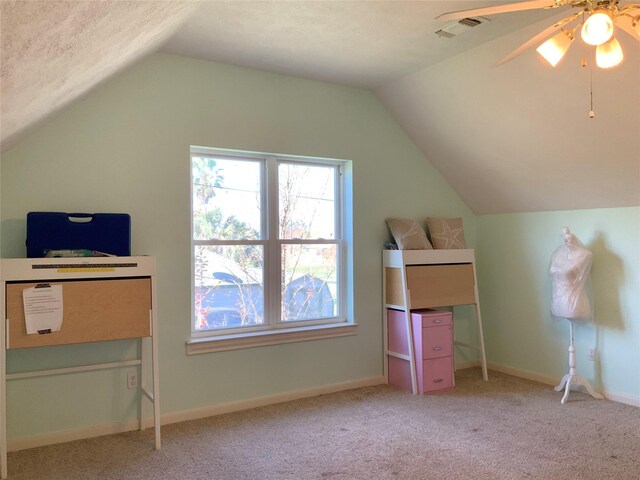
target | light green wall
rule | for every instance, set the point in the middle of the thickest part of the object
(513, 259)
(125, 148)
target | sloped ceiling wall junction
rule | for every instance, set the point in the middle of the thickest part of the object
(513, 139)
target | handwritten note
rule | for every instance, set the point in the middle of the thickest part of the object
(43, 308)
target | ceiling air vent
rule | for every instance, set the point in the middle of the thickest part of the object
(470, 22)
(451, 29)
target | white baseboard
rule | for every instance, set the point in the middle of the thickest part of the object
(64, 436)
(267, 400)
(194, 414)
(52, 438)
(467, 364)
(536, 377)
(526, 374)
(626, 399)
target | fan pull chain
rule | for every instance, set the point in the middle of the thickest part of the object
(592, 113)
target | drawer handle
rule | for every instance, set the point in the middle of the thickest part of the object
(437, 349)
(437, 321)
(437, 380)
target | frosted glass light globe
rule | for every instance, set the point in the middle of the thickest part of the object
(555, 48)
(598, 28)
(609, 54)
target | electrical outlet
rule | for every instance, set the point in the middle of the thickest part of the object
(132, 380)
(591, 354)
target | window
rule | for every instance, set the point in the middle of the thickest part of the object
(267, 242)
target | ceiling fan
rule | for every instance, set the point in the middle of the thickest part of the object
(597, 20)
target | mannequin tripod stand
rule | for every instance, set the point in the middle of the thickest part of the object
(572, 378)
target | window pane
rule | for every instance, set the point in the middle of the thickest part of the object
(307, 201)
(309, 288)
(228, 286)
(226, 199)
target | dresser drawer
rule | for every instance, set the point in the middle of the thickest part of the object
(438, 374)
(432, 375)
(436, 342)
(431, 318)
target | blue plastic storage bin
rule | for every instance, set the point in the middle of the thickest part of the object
(104, 232)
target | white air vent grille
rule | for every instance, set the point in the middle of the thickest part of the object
(451, 29)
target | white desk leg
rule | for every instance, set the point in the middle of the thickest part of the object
(385, 327)
(144, 351)
(155, 364)
(412, 353)
(483, 357)
(3, 402)
(156, 385)
(406, 297)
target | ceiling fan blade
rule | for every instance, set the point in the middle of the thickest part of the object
(509, 7)
(538, 38)
(632, 9)
(625, 26)
(625, 22)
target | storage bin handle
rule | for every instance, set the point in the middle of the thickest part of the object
(80, 217)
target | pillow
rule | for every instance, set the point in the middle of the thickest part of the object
(446, 233)
(408, 234)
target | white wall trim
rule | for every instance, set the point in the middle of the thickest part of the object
(617, 397)
(526, 374)
(547, 380)
(268, 400)
(52, 438)
(467, 364)
(269, 337)
(194, 414)
(64, 436)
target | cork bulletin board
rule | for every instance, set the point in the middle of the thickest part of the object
(93, 311)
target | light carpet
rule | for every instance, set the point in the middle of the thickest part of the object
(506, 428)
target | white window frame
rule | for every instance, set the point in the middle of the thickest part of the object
(274, 330)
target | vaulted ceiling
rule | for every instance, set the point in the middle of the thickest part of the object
(511, 139)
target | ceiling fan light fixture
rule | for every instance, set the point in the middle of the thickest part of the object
(554, 49)
(609, 54)
(597, 21)
(598, 28)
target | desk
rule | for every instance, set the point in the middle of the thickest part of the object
(418, 279)
(104, 298)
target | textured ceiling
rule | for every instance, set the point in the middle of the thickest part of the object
(53, 52)
(360, 43)
(511, 139)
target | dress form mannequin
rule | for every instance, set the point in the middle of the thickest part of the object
(569, 269)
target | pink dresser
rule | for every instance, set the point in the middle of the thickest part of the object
(433, 345)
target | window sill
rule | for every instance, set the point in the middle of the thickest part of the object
(271, 337)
